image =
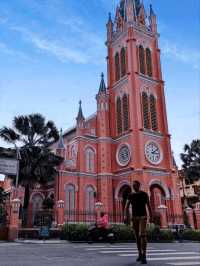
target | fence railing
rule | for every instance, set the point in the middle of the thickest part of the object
(91, 217)
(46, 217)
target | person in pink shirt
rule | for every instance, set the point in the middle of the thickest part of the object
(102, 222)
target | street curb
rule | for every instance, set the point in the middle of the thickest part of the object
(49, 242)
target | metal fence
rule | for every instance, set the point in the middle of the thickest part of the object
(91, 217)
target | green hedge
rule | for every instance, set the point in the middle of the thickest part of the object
(192, 235)
(74, 232)
(78, 232)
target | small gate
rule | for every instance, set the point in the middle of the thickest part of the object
(37, 224)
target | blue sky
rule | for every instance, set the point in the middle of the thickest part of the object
(52, 53)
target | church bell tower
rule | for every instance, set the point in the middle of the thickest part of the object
(138, 118)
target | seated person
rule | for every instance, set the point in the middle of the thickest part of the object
(103, 223)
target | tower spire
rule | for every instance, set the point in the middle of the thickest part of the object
(80, 112)
(153, 20)
(102, 87)
(61, 144)
(152, 11)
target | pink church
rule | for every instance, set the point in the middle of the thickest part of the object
(127, 138)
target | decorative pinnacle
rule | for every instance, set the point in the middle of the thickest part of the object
(109, 17)
(80, 112)
(102, 87)
(61, 144)
(151, 11)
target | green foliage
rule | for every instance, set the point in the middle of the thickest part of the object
(48, 203)
(34, 136)
(3, 196)
(123, 233)
(192, 235)
(75, 232)
(191, 160)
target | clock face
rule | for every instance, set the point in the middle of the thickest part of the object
(153, 152)
(123, 155)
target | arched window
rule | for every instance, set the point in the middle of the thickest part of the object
(145, 106)
(70, 198)
(90, 160)
(117, 67)
(149, 62)
(123, 62)
(126, 112)
(142, 59)
(154, 122)
(119, 116)
(90, 199)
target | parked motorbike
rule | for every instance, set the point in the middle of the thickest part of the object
(96, 234)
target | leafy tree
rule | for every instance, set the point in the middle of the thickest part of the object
(3, 196)
(191, 160)
(49, 203)
(34, 136)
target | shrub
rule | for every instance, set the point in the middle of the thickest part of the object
(79, 232)
(192, 235)
(74, 232)
(124, 233)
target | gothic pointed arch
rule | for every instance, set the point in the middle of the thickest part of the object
(125, 101)
(149, 62)
(142, 59)
(123, 62)
(153, 111)
(145, 107)
(117, 67)
(119, 115)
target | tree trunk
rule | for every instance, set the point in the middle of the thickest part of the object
(26, 205)
(26, 197)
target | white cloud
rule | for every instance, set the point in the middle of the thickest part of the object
(185, 55)
(52, 47)
(12, 52)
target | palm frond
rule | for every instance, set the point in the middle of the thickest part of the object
(9, 135)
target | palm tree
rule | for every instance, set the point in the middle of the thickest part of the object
(34, 136)
(191, 160)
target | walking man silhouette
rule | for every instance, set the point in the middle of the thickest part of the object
(139, 201)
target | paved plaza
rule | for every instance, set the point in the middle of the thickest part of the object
(64, 254)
